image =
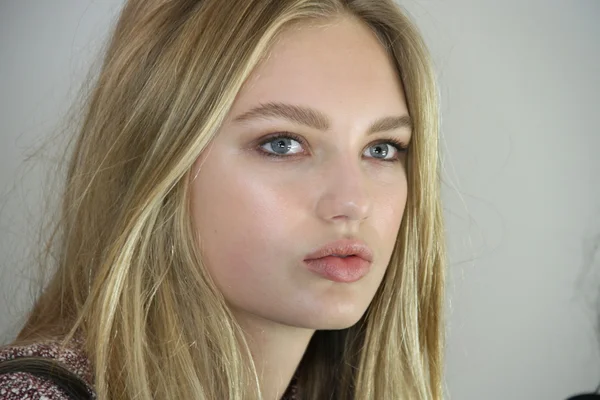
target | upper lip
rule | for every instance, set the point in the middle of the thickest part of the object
(343, 247)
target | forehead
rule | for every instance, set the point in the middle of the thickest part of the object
(339, 67)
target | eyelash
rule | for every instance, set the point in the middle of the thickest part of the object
(398, 145)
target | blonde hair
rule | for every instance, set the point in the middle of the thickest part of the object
(130, 277)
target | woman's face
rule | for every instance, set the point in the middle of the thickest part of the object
(260, 205)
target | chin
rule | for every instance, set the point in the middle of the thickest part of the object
(332, 319)
(337, 325)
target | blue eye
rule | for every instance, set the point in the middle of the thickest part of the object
(282, 145)
(383, 150)
(287, 144)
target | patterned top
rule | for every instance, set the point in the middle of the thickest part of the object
(22, 385)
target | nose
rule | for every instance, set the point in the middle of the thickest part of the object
(345, 196)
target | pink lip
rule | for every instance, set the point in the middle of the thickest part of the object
(343, 270)
(355, 263)
(344, 247)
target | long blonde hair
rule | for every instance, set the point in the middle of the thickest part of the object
(129, 275)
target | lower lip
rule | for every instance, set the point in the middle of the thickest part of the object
(337, 269)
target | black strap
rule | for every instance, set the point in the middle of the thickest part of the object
(587, 396)
(66, 380)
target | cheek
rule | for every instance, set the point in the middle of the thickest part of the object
(391, 206)
(242, 221)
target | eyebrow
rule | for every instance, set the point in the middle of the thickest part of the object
(316, 119)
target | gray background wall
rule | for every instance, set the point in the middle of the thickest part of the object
(519, 83)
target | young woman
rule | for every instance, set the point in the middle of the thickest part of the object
(251, 211)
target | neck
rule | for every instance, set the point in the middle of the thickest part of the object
(276, 350)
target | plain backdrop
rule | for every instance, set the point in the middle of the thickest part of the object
(519, 83)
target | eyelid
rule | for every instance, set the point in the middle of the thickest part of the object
(400, 144)
(277, 135)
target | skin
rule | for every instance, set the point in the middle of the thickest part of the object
(258, 216)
